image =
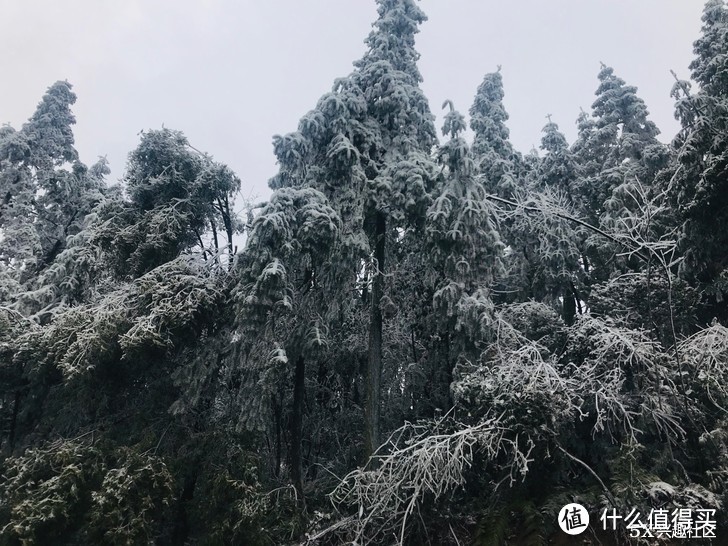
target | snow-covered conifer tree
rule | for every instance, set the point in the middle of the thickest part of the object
(618, 156)
(494, 155)
(698, 184)
(366, 147)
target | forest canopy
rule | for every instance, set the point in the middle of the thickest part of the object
(421, 337)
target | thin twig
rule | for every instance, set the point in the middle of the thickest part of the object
(570, 218)
(596, 476)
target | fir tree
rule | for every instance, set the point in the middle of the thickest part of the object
(698, 184)
(366, 147)
(493, 152)
(619, 157)
(467, 249)
(552, 246)
(282, 293)
(618, 132)
(48, 193)
(557, 169)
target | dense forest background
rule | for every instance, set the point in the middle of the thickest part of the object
(412, 341)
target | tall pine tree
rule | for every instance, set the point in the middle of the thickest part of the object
(698, 186)
(618, 156)
(466, 253)
(366, 146)
(46, 190)
(494, 155)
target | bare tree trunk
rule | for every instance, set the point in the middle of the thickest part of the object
(374, 364)
(568, 307)
(224, 208)
(214, 236)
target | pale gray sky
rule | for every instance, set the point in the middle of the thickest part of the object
(232, 73)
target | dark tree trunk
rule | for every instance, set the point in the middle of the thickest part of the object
(181, 529)
(58, 246)
(51, 255)
(214, 236)
(299, 386)
(577, 297)
(374, 363)
(224, 208)
(569, 306)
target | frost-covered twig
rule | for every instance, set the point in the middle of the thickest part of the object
(591, 471)
(622, 242)
(419, 464)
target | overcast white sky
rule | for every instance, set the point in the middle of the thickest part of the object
(232, 73)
